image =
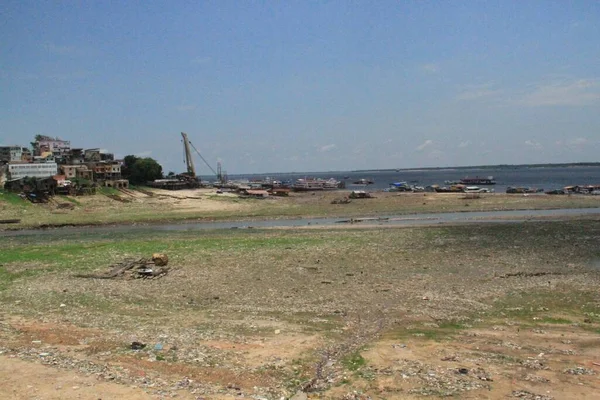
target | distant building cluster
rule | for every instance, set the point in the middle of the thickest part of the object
(54, 158)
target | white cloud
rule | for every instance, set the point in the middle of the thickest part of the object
(578, 141)
(464, 144)
(533, 143)
(327, 147)
(435, 154)
(572, 92)
(424, 145)
(431, 68)
(476, 92)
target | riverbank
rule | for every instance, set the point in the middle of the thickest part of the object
(161, 206)
(478, 311)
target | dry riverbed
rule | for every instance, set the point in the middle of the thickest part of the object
(480, 311)
(146, 206)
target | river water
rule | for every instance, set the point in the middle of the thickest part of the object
(390, 220)
(547, 178)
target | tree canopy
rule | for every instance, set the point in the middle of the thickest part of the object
(141, 170)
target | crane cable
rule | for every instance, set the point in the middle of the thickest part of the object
(205, 162)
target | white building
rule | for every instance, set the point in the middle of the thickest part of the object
(41, 170)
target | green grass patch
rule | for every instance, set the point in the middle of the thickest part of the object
(70, 200)
(554, 320)
(107, 190)
(443, 330)
(13, 199)
(354, 361)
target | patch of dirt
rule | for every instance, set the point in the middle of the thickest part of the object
(489, 363)
(28, 380)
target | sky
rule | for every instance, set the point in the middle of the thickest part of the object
(271, 86)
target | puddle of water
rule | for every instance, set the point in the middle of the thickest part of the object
(395, 220)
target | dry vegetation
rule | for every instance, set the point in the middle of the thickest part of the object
(479, 311)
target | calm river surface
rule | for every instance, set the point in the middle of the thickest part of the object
(547, 178)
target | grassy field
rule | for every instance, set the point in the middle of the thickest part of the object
(484, 311)
(111, 206)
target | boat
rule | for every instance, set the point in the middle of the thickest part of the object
(451, 182)
(312, 184)
(477, 189)
(363, 182)
(478, 181)
(398, 187)
(451, 189)
(521, 190)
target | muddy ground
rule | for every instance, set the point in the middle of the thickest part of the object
(480, 311)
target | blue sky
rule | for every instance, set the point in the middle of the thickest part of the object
(307, 86)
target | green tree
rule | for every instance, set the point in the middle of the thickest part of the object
(141, 170)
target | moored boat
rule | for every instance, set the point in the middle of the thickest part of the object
(520, 190)
(363, 182)
(478, 181)
(311, 184)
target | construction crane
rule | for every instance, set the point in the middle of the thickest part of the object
(191, 171)
(189, 162)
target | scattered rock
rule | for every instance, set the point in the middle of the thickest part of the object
(524, 394)
(579, 371)
(300, 395)
(137, 345)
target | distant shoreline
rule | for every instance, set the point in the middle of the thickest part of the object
(498, 166)
(464, 167)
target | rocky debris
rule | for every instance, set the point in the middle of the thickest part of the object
(534, 363)
(142, 268)
(535, 378)
(356, 396)
(525, 395)
(521, 274)
(579, 371)
(300, 395)
(432, 381)
(344, 200)
(137, 346)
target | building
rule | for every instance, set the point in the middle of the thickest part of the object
(37, 170)
(92, 155)
(106, 170)
(56, 146)
(26, 155)
(70, 171)
(11, 153)
(83, 172)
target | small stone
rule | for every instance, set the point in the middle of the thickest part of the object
(63, 305)
(277, 331)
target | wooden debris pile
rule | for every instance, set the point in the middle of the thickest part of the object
(143, 268)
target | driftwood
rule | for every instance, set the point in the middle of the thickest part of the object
(9, 221)
(143, 268)
(528, 274)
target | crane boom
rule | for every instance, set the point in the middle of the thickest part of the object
(188, 156)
